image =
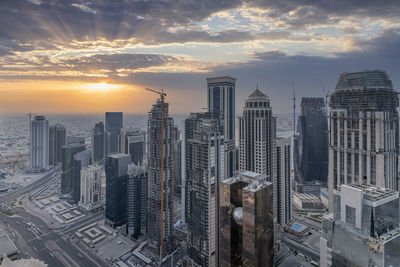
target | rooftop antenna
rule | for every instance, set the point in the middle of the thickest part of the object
(162, 97)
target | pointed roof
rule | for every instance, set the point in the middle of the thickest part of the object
(257, 94)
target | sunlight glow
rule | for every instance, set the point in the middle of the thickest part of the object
(100, 87)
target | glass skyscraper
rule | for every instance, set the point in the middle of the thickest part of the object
(113, 130)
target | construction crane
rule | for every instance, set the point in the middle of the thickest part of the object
(326, 93)
(162, 97)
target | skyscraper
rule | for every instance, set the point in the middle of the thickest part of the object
(221, 98)
(160, 221)
(98, 139)
(246, 221)
(204, 170)
(67, 161)
(39, 145)
(256, 135)
(177, 154)
(113, 130)
(364, 229)
(80, 160)
(116, 168)
(132, 142)
(364, 132)
(313, 140)
(57, 139)
(91, 196)
(282, 185)
(136, 200)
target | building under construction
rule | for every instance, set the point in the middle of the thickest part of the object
(364, 131)
(160, 177)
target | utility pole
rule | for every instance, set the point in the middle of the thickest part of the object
(162, 97)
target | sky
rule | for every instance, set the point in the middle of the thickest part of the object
(71, 56)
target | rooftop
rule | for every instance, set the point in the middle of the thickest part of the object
(257, 94)
(6, 246)
(375, 193)
(366, 79)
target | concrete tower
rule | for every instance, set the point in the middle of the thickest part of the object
(39, 146)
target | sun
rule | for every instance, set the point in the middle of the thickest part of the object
(100, 87)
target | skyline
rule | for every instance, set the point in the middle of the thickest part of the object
(75, 57)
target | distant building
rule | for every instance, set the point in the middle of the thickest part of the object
(246, 221)
(39, 145)
(313, 140)
(364, 132)
(304, 201)
(282, 183)
(113, 130)
(91, 191)
(133, 142)
(154, 218)
(67, 161)
(57, 139)
(75, 140)
(364, 229)
(221, 98)
(98, 140)
(116, 168)
(81, 160)
(204, 169)
(136, 200)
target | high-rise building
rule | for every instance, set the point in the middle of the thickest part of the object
(91, 191)
(364, 132)
(132, 142)
(98, 140)
(313, 140)
(80, 160)
(39, 145)
(246, 221)
(136, 200)
(204, 157)
(116, 168)
(177, 162)
(160, 221)
(364, 229)
(256, 135)
(282, 185)
(67, 162)
(221, 98)
(57, 139)
(75, 140)
(113, 130)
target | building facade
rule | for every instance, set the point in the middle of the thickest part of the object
(67, 163)
(113, 129)
(246, 221)
(39, 144)
(204, 157)
(133, 142)
(313, 140)
(282, 181)
(177, 168)
(80, 160)
(363, 230)
(116, 169)
(256, 135)
(91, 190)
(98, 140)
(364, 132)
(160, 233)
(221, 98)
(57, 139)
(137, 200)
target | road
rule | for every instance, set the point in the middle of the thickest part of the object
(38, 239)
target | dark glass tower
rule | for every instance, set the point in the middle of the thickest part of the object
(68, 152)
(81, 160)
(113, 129)
(221, 98)
(98, 142)
(313, 142)
(116, 167)
(57, 139)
